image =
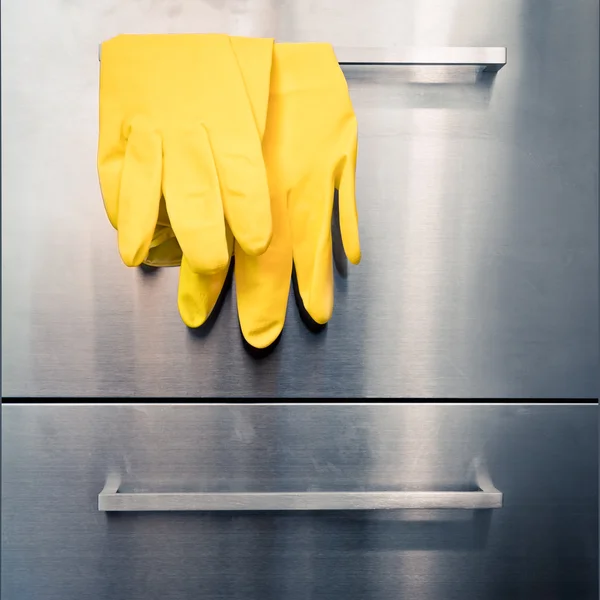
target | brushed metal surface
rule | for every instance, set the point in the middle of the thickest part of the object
(477, 197)
(56, 545)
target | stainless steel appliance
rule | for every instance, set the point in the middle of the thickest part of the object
(436, 502)
(477, 195)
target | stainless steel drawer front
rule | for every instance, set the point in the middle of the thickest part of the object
(477, 202)
(541, 544)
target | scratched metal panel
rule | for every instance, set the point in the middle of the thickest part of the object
(477, 198)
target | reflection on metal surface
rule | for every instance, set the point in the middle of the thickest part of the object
(488, 497)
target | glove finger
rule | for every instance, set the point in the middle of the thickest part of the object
(245, 191)
(200, 294)
(139, 193)
(311, 206)
(193, 200)
(262, 283)
(345, 184)
(110, 167)
(240, 163)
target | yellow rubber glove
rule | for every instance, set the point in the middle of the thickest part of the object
(199, 293)
(176, 122)
(254, 56)
(310, 149)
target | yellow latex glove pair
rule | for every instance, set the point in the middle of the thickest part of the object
(212, 145)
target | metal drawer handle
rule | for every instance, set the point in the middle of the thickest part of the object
(111, 500)
(490, 58)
